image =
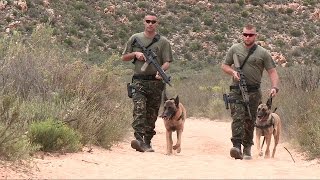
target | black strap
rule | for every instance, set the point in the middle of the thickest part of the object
(251, 50)
(145, 77)
(251, 88)
(154, 40)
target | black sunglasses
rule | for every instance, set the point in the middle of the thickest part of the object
(151, 21)
(248, 35)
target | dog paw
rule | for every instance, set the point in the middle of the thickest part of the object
(261, 154)
(179, 150)
(175, 147)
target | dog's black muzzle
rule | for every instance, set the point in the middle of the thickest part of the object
(262, 113)
(168, 114)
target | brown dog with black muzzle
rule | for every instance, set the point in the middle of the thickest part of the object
(174, 116)
(267, 124)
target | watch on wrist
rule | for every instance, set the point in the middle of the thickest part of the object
(277, 89)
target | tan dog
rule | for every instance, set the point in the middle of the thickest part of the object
(174, 116)
(267, 124)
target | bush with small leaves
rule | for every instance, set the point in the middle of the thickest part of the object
(54, 136)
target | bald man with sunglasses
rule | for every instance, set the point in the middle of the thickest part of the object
(242, 126)
(147, 82)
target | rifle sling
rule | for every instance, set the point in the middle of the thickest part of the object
(154, 40)
(251, 50)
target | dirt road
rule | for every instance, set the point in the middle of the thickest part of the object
(204, 155)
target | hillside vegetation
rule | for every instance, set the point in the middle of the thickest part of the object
(63, 81)
(198, 30)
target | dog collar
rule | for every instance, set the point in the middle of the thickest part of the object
(181, 116)
(267, 125)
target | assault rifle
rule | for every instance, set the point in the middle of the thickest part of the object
(151, 59)
(242, 84)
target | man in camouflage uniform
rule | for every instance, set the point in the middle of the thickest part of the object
(147, 84)
(242, 126)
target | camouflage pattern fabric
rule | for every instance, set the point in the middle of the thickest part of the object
(147, 101)
(242, 127)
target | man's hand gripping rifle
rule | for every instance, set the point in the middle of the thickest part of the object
(151, 59)
(242, 84)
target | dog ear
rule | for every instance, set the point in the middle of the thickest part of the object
(269, 103)
(176, 101)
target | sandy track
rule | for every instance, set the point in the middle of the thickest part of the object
(204, 155)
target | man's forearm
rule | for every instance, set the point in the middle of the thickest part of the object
(227, 69)
(165, 66)
(129, 56)
(274, 78)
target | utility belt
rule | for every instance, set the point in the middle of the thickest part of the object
(250, 88)
(130, 86)
(145, 77)
(235, 101)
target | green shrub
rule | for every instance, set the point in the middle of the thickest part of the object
(241, 2)
(68, 41)
(295, 32)
(187, 19)
(289, 11)
(8, 19)
(244, 14)
(195, 46)
(217, 38)
(82, 22)
(143, 5)
(54, 136)
(309, 2)
(308, 132)
(316, 52)
(14, 144)
(296, 52)
(280, 43)
(80, 6)
(208, 20)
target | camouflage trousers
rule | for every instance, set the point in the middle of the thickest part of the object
(242, 126)
(146, 101)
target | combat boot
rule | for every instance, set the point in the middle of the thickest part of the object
(148, 146)
(235, 151)
(247, 153)
(138, 144)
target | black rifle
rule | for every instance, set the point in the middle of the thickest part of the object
(242, 84)
(151, 58)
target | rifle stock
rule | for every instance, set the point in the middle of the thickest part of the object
(242, 84)
(151, 59)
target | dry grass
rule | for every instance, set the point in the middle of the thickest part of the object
(40, 81)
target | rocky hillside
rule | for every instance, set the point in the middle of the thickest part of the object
(199, 30)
